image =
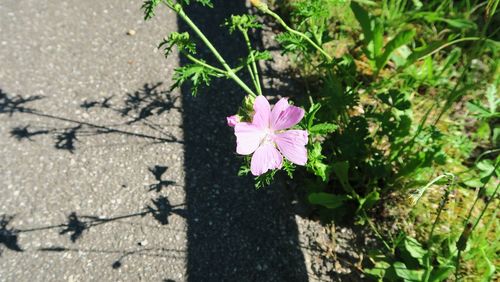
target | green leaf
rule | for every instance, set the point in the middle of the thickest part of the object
(327, 200)
(378, 270)
(182, 40)
(341, 170)
(369, 200)
(493, 99)
(424, 51)
(441, 272)
(291, 43)
(323, 128)
(206, 3)
(378, 39)
(414, 248)
(315, 162)
(403, 38)
(451, 59)
(243, 23)
(488, 274)
(149, 7)
(407, 274)
(363, 19)
(483, 131)
(197, 74)
(310, 116)
(259, 56)
(476, 108)
(459, 23)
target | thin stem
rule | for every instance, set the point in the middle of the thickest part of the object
(485, 208)
(266, 10)
(449, 44)
(200, 62)
(255, 73)
(229, 71)
(252, 76)
(375, 230)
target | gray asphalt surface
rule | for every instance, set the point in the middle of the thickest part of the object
(108, 176)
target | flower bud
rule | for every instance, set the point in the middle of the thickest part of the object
(233, 120)
(256, 3)
(259, 5)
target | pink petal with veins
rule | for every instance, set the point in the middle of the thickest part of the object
(292, 144)
(262, 112)
(266, 157)
(285, 117)
(248, 137)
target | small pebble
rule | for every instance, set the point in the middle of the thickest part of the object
(131, 32)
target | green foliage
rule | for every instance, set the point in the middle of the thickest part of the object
(182, 40)
(488, 111)
(196, 74)
(291, 43)
(388, 118)
(373, 32)
(206, 3)
(412, 263)
(149, 7)
(242, 23)
(401, 92)
(327, 200)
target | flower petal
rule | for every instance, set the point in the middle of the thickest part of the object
(248, 137)
(262, 112)
(266, 157)
(278, 108)
(291, 144)
(285, 116)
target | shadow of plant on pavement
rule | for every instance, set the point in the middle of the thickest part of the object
(137, 107)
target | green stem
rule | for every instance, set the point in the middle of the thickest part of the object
(375, 230)
(229, 71)
(485, 208)
(267, 11)
(254, 73)
(200, 62)
(449, 44)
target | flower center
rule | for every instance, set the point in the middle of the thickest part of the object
(269, 137)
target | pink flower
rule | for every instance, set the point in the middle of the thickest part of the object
(267, 138)
(233, 120)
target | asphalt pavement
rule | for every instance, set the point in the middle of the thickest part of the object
(106, 174)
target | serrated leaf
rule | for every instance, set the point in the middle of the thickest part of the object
(323, 128)
(196, 74)
(262, 55)
(315, 162)
(182, 40)
(149, 7)
(291, 43)
(242, 22)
